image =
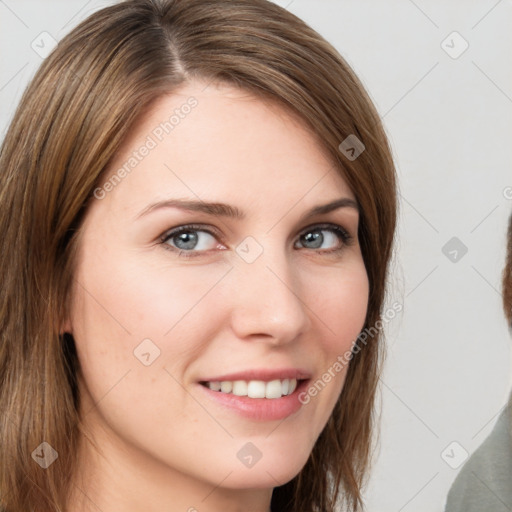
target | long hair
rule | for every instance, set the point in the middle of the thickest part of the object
(73, 117)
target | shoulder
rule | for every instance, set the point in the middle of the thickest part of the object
(484, 483)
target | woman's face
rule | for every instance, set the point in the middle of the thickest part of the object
(214, 258)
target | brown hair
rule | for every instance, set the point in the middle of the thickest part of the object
(71, 120)
(507, 276)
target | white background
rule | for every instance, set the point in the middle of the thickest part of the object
(449, 120)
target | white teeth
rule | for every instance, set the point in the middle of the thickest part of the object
(255, 388)
(274, 389)
(239, 388)
(285, 386)
(226, 386)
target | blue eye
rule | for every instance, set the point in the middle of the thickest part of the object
(191, 240)
(325, 237)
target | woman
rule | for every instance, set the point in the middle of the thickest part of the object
(204, 203)
(484, 481)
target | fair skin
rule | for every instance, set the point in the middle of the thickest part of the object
(167, 442)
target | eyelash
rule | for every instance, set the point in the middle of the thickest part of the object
(340, 232)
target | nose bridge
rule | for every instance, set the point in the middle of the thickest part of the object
(268, 301)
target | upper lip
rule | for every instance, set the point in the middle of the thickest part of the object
(265, 375)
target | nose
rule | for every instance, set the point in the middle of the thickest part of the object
(267, 303)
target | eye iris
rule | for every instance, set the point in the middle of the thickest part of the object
(314, 239)
(186, 240)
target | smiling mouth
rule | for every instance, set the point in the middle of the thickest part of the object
(276, 388)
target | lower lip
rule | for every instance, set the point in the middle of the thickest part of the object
(259, 409)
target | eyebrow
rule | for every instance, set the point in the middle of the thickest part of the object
(226, 210)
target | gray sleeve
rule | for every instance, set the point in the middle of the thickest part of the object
(485, 482)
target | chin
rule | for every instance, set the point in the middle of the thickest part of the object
(276, 471)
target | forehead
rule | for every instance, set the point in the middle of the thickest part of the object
(218, 139)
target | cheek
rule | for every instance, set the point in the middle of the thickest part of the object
(121, 302)
(124, 310)
(340, 304)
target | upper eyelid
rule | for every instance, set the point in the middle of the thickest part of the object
(190, 227)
